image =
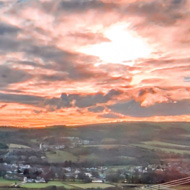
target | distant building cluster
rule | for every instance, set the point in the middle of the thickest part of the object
(69, 142)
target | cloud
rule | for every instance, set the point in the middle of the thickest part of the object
(3, 106)
(65, 101)
(83, 101)
(55, 104)
(8, 29)
(75, 6)
(22, 99)
(159, 12)
(10, 75)
(49, 104)
(96, 109)
(110, 116)
(78, 6)
(134, 109)
(72, 65)
(86, 38)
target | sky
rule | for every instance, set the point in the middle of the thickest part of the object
(70, 62)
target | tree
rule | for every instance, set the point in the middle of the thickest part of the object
(84, 177)
(64, 177)
(26, 172)
(113, 177)
(95, 174)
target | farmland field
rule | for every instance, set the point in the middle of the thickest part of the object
(43, 185)
(153, 146)
(105, 146)
(12, 146)
(60, 156)
(158, 143)
(89, 157)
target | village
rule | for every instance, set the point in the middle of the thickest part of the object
(30, 165)
(42, 174)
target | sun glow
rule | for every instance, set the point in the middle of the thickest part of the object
(124, 47)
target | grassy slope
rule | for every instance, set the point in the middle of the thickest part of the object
(105, 137)
(4, 182)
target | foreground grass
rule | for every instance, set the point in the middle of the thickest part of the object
(91, 185)
(7, 183)
(66, 185)
(7, 188)
(4, 182)
(183, 187)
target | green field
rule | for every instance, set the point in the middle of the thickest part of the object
(116, 168)
(152, 146)
(89, 157)
(4, 182)
(66, 185)
(91, 185)
(13, 146)
(43, 185)
(105, 146)
(126, 157)
(158, 143)
(60, 156)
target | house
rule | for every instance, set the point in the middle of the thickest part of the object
(77, 171)
(40, 180)
(88, 174)
(13, 176)
(59, 147)
(97, 181)
(22, 166)
(68, 169)
(29, 180)
(25, 180)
